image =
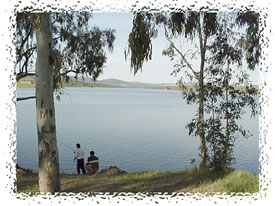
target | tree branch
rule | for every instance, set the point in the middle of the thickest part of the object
(24, 98)
(182, 56)
(65, 73)
(25, 65)
(22, 75)
(27, 36)
(25, 54)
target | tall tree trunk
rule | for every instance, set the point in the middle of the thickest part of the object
(49, 180)
(203, 154)
(202, 162)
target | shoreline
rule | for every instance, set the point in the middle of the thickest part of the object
(28, 170)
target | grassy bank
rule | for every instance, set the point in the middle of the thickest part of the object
(113, 180)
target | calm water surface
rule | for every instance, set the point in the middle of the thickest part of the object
(133, 129)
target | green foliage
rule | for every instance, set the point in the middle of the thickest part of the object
(224, 101)
(186, 23)
(251, 42)
(221, 46)
(24, 44)
(84, 47)
(77, 47)
(139, 41)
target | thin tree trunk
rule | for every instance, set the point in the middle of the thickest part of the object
(49, 180)
(202, 162)
(214, 136)
(203, 155)
(226, 115)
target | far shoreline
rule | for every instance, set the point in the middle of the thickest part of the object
(29, 82)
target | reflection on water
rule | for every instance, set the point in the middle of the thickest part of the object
(133, 129)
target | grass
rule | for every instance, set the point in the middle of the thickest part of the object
(22, 85)
(240, 181)
(27, 182)
(113, 180)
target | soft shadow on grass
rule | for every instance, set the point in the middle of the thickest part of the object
(155, 181)
(27, 182)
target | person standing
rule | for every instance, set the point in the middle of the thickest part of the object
(79, 156)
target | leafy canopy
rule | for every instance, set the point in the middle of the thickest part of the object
(78, 47)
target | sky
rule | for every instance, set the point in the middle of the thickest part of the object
(157, 70)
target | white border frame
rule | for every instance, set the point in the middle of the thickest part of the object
(8, 108)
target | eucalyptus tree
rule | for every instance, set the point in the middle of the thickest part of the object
(200, 29)
(191, 25)
(227, 99)
(201, 26)
(229, 92)
(64, 43)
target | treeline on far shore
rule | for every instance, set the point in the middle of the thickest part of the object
(29, 82)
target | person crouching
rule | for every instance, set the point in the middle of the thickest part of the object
(92, 163)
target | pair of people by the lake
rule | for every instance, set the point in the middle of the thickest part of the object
(92, 163)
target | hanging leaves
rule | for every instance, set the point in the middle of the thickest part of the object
(139, 41)
(251, 43)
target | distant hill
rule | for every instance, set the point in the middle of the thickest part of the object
(120, 83)
(115, 82)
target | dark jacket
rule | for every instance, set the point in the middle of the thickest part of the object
(93, 161)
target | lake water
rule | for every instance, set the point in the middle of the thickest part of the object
(133, 129)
